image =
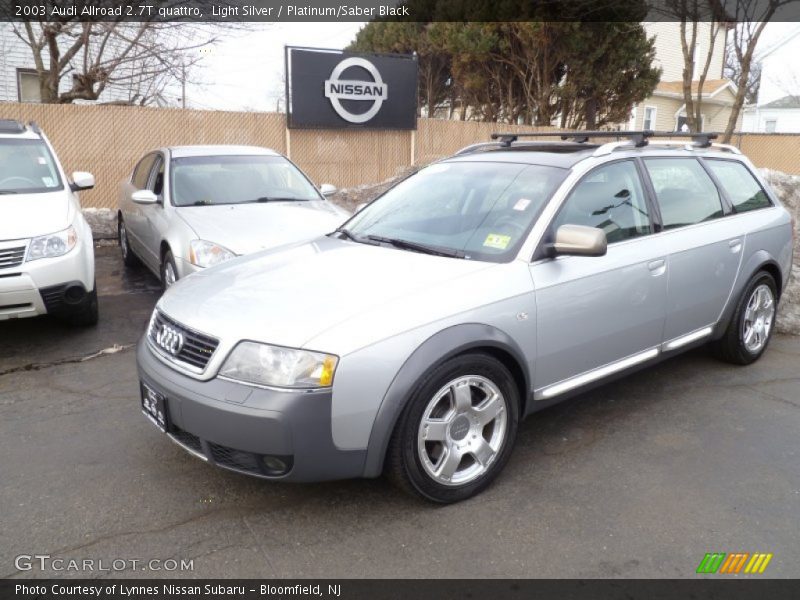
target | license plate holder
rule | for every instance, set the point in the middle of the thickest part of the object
(154, 407)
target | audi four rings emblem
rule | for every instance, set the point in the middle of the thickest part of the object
(170, 339)
(375, 91)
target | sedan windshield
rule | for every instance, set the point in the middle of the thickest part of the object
(474, 210)
(27, 167)
(205, 180)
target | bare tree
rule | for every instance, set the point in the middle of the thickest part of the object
(136, 61)
(700, 21)
(733, 72)
(751, 17)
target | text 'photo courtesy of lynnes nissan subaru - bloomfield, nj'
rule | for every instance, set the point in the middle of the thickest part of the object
(484, 299)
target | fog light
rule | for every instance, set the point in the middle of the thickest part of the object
(274, 464)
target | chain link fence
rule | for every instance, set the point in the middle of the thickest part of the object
(109, 140)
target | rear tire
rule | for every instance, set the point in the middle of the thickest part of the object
(169, 272)
(750, 329)
(128, 257)
(457, 431)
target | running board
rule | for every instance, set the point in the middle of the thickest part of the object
(567, 385)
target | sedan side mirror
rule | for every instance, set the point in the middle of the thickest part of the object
(579, 240)
(327, 189)
(144, 197)
(81, 180)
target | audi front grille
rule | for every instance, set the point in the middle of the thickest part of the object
(196, 349)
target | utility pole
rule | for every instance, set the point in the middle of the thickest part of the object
(183, 85)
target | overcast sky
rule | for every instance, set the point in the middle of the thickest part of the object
(245, 70)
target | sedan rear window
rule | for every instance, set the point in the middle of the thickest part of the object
(740, 185)
(27, 167)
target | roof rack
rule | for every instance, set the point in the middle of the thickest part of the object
(639, 138)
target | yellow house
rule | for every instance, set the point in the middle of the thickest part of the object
(665, 110)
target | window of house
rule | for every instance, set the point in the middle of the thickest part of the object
(28, 89)
(610, 198)
(686, 194)
(740, 185)
(649, 117)
(769, 126)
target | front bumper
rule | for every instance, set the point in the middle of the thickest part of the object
(36, 288)
(235, 426)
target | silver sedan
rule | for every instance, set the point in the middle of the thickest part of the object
(192, 207)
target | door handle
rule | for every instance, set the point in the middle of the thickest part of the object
(735, 245)
(657, 267)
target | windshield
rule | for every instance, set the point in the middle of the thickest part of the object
(475, 210)
(205, 180)
(27, 167)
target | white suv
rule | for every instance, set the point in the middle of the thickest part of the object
(46, 248)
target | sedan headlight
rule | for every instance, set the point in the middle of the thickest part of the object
(208, 254)
(55, 244)
(279, 367)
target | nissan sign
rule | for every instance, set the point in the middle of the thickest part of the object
(333, 89)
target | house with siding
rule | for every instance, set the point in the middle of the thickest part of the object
(665, 110)
(777, 109)
(19, 81)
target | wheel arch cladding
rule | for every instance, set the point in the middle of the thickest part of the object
(450, 342)
(759, 261)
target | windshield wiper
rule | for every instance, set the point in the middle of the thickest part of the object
(352, 236)
(9, 192)
(417, 247)
(273, 199)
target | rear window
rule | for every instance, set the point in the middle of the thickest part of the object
(738, 182)
(686, 194)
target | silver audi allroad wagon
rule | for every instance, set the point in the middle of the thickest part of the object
(414, 338)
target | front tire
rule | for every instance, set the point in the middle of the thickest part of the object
(753, 322)
(128, 257)
(169, 272)
(457, 431)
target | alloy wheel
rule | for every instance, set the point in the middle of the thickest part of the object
(758, 318)
(462, 430)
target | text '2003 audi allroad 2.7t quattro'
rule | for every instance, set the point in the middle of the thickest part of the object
(475, 292)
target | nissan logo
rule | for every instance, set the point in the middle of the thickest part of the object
(170, 339)
(374, 91)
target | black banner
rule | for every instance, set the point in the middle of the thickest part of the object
(392, 10)
(417, 589)
(331, 89)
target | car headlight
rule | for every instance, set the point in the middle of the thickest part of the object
(208, 254)
(54, 244)
(279, 367)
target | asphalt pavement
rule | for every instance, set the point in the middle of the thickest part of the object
(639, 478)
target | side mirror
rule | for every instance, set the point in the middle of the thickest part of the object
(81, 181)
(327, 189)
(579, 240)
(144, 197)
(361, 206)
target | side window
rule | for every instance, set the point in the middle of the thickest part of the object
(742, 188)
(610, 198)
(142, 172)
(157, 180)
(686, 194)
